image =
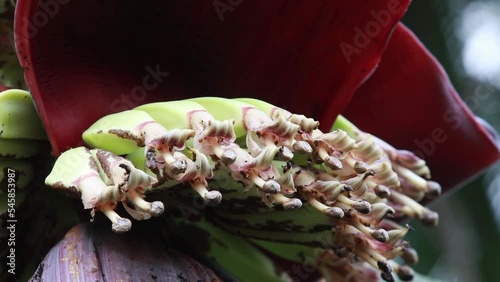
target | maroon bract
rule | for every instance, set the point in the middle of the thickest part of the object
(409, 102)
(86, 59)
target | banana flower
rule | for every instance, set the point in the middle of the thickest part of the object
(87, 59)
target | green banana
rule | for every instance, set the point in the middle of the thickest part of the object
(21, 138)
(314, 190)
(306, 124)
(173, 114)
(18, 116)
(266, 138)
(138, 159)
(164, 153)
(344, 124)
(125, 132)
(222, 110)
(121, 133)
(210, 135)
(103, 179)
(249, 120)
(13, 148)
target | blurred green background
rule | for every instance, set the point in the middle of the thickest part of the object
(465, 38)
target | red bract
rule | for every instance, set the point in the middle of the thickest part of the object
(86, 59)
(410, 102)
(89, 59)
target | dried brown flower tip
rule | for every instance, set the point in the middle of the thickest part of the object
(433, 189)
(334, 212)
(430, 218)
(302, 147)
(290, 204)
(382, 191)
(360, 167)
(405, 273)
(120, 225)
(409, 255)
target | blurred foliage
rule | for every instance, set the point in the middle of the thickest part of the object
(466, 245)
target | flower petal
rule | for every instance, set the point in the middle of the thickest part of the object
(410, 102)
(88, 59)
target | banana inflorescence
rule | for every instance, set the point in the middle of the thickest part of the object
(21, 138)
(350, 182)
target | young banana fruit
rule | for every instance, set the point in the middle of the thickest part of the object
(265, 174)
(21, 138)
(20, 127)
